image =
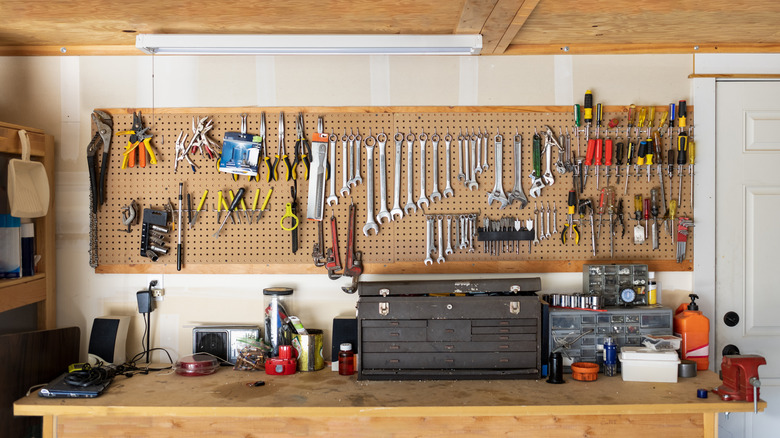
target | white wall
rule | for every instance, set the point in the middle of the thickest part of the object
(58, 95)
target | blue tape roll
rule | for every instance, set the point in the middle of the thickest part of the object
(701, 393)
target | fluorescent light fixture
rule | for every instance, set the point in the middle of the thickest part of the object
(201, 44)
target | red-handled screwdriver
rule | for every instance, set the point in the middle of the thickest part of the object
(646, 212)
(589, 160)
(599, 155)
(608, 147)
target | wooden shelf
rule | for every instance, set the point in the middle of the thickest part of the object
(20, 292)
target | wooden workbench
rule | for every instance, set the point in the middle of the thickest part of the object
(322, 403)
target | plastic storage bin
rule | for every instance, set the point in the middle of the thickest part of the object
(641, 364)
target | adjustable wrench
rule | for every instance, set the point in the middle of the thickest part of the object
(399, 139)
(423, 199)
(357, 179)
(435, 194)
(449, 251)
(536, 175)
(447, 143)
(332, 199)
(472, 182)
(428, 240)
(477, 162)
(409, 207)
(461, 175)
(498, 188)
(333, 262)
(517, 193)
(440, 247)
(381, 138)
(370, 223)
(485, 150)
(548, 176)
(353, 267)
(346, 166)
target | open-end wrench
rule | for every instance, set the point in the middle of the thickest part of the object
(548, 234)
(332, 199)
(440, 246)
(423, 199)
(477, 162)
(333, 262)
(381, 139)
(428, 240)
(461, 175)
(449, 251)
(552, 139)
(409, 208)
(517, 193)
(485, 150)
(448, 173)
(351, 158)
(548, 176)
(370, 223)
(498, 188)
(435, 194)
(357, 179)
(347, 163)
(396, 211)
(472, 181)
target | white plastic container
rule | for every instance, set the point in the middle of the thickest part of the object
(640, 364)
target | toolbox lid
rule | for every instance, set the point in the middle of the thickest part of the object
(516, 286)
(644, 353)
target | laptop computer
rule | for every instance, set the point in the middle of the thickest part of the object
(59, 388)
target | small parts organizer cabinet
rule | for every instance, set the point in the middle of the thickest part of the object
(444, 329)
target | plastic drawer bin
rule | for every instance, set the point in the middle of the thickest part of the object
(644, 365)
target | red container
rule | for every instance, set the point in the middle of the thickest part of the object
(284, 364)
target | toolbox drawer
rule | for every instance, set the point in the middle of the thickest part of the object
(448, 307)
(453, 347)
(444, 330)
(505, 337)
(409, 361)
(406, 334)
(504, 322)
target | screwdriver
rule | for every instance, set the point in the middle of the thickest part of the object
(572, 203)
(178, 246)
(577, 124)
(265, 204)
(599, 118)
(639, 231)
(233, 199)
(588, 113)
(670, 220)
(611, 198)
(243, 207)
(619, 151)
(654, 212)
(659, 161)
(682, 114)
(599, 154)
(588, 160)
(682, 158)
(200, 206)
(602, 205)
(225, 207)
(691, 159)
(629, 156)
(649, 156)
(640, 157)
(630, 121)
(647, 215)
(254, 204)
(608, 147)
(220, 200)
(239, 196)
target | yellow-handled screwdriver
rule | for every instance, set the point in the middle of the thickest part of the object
(265, 204)
(254, 204)
(200, 206)
(232, 207)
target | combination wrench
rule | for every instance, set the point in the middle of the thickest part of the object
(555, 217)
(461, 175)
(381, 138)
(440, 247)
(498, 188)
(409, 174)
(346, 164)
(351, 159)
(477, 162)
(428, 240)
(517, 193)
(449, 251)
(435, 194)
(423, 199)
(447, 144)
(357, 179)
(332, 199)
(467, 176)
(547, 217)
(472, 184)
(485, 150)
(370, 223)
(399, 139)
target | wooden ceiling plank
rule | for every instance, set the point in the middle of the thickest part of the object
(497, 23)
(474, 15)
(520, 18)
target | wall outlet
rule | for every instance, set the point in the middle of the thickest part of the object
(158, 290)
(158, 294)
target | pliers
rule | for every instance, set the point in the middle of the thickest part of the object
(104, 124)
(281, 154)
(302, 150)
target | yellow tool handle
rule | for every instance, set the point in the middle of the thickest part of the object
(220, 201)
(289, 213)
(148, 146)
(650, 117)
(243, 204)
(124, 161)
(691, 151)
(203, 199)
(257, 196)
(125, 132)
(224, 203)
(641, 119)
(267, 197)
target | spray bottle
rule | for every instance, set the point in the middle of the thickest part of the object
(694, 329)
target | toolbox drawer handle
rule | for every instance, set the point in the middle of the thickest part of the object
(449, 331)
(503, 330)
(503, 360)
(394, 347)
(449, 347)
(394, 361)
(394, 323)
(503, 338)
(503, 323)
(449, 360)
(396, 334)
(504, 347)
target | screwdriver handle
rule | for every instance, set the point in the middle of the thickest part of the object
(641, 153)
(672, 209)
(682, 113)
(619, 151)
(602, 200)
(237, 199)
(631, 115)
(682, 148)
(590, 151)
(203, 199)
(572, 201)
(657, 143)
(650, 116)
(654, 201)
(599, 151)
(588, 107)
(638, 206)
(691, 151)
(670, 157)
(672, 115)
(608, 151)
(220, 201)
(631, 151)
(577, 115)
(599, 114)
(649, 150)
(647, 208)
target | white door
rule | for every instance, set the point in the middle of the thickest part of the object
(747, 240)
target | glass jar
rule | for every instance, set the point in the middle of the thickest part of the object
(277, 302)
(346, 360)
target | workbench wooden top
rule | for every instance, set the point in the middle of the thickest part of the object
(325, 393)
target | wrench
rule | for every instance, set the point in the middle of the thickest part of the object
(381, 138)
(498, 188)
(547, 216)
(517, 193)
(399, 139)
(435, 140)
(532, 223)
(548, 176)
(351, 158)
(428, 240)
(316, 249)
(439, 248)
(538, 184)
(409, 174)
(461, 175)
(476, 163)
(357, 179)
(472, 183)
(540, 223)
(370, 223)
(551, 138)
(423, 199)
(462, 232)
(353, 265)
(447, 142)
(332, 196)
(484, 151)
(471, 231)
(333, 262)
(555, 217)
(345, 159)
(448, 251)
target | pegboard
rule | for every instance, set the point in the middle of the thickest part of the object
(401, 240)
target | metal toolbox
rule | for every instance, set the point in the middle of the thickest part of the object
(626, 326)
(444, 329)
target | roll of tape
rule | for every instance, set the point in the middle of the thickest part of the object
(701, 393)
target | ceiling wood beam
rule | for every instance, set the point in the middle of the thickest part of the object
(520, 18)
(497, 24)
(635, 49)
(474, 15)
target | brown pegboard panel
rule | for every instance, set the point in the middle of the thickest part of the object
(398, 241)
